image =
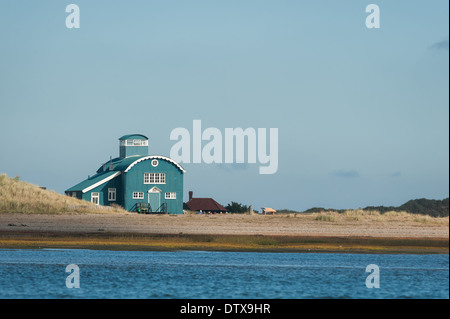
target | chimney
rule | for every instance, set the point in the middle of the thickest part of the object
(191, 193)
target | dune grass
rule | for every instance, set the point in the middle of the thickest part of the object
(359, 215)
(21, 197)
(325, 217)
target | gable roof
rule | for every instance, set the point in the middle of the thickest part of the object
(204, 204)
(94, 181)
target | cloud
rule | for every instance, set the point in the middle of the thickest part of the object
(345, 173)
(441, 45)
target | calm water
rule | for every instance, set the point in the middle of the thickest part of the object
(194, 274)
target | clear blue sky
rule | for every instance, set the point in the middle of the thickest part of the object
(363, 114)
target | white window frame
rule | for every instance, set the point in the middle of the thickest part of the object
(171, 195)
(134, 142)
(112, 194)
(95, 195)
(154, 178)
(138, 195)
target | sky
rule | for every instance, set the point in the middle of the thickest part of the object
(362, 114)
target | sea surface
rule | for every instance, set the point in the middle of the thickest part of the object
(41, 273)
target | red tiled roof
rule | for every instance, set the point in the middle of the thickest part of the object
(204, 204)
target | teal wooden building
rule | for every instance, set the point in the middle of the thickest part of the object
(135, 180)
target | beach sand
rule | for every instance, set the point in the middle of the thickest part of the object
(293, 232)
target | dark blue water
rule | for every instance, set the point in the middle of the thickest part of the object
(41, 273)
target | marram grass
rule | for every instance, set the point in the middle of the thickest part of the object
(359, 215)
(21, 197)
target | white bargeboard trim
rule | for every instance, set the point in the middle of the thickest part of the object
(87, 189)
(157, 157)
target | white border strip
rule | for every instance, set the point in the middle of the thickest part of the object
(157, 157)
(87, 189)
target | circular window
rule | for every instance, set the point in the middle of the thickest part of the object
(155, 163)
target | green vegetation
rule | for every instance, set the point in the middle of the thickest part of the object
(431, 207)
(235, 207)
(363, 216)
(326, 218)
(422, 206)
(322, 210)
(287, 211)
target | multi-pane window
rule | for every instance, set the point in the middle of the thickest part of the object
(171, 195)
(138, 195)
(154, 178)
(95, 198)
(133, 143)
(112, 194)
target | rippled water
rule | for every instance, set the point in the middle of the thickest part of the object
(41, 273)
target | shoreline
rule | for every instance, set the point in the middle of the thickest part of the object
(299, 233)
(231, 243)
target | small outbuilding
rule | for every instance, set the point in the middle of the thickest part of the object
(204, 205)
(268, 210)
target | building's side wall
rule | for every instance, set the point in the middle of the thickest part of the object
(134, 182)
(103, 192)
(126, 151)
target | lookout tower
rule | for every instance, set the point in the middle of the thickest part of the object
(133, 145)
